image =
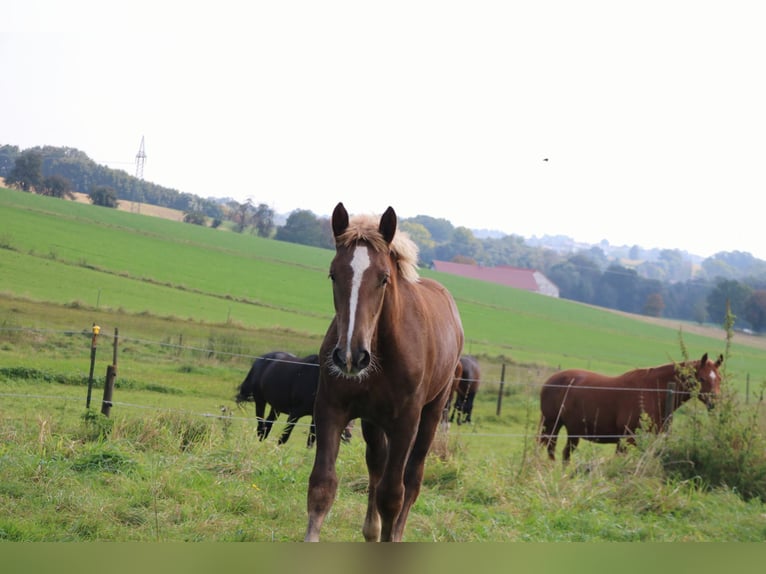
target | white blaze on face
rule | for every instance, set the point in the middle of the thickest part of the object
(359, 263)
(713, 383)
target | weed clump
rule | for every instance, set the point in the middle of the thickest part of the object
(726, 449)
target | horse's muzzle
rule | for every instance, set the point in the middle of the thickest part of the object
(239, 399)
(710, 401)
(352, 363)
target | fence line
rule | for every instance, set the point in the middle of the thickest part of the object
(468, 433)
(210, 352)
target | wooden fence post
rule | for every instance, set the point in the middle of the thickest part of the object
(111, 373)
(500, 392)
(93, 343)
(669, 402)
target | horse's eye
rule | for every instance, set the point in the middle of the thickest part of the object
(332, 277)
(384, 280)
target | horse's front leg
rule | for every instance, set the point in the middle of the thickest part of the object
(389, 497)
(269, 422)
(375, 456)
(570, 447)
(323, 482)
(413, 475)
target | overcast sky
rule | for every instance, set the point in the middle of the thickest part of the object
(651, 115)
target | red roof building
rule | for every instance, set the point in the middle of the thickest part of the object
(527, 279)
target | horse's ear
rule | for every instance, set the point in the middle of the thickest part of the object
(387, 225)
(339, 220)
(719, 362)
(703, 360)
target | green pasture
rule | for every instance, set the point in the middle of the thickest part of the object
(177, 460)
(102, 259)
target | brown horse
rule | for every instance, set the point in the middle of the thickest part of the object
(464, 390)
(608, 409)
(389, 358)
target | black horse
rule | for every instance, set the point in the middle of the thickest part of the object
(288, 384)
(464, 390)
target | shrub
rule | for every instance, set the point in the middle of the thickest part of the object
(725, 449)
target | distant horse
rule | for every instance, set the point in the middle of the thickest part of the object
(288, 384)
(389, 358)
(607, 409)
(464, 390)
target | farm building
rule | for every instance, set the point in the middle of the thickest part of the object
(527, 279)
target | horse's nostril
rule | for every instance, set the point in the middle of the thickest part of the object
(337, 358)
(364, 360)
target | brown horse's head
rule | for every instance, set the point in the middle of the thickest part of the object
(709, 378)
(370, 259)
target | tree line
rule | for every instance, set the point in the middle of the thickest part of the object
(667, 284)
(33, 168)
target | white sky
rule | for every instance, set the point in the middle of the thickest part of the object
(652, 113)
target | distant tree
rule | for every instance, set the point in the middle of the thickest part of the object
(676, 266)
(464, 260)
(654, 305)
(422, 238)
(195, 217)
(507, 250)
(463, 243)
(687, 299)
(699, 312)
(718, 269)
(440, 229)
(57, 186)
(104, 196)
(755, 310)
(303, 227)
(8, 155)
(263, 220)
(577, 278)
(653, 270)
(619, 289)
(598, 256)
(727, 294)
(734, 265)
(326, 238)
(27, 172)
(241, 214)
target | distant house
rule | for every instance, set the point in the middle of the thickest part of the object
(527, 279)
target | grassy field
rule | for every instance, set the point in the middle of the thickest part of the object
(106, 260)
(177, 461)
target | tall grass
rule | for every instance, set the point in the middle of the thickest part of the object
(187, 466)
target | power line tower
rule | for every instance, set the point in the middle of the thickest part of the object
(140, 159)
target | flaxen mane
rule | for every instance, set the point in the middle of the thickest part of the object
(404, 250)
